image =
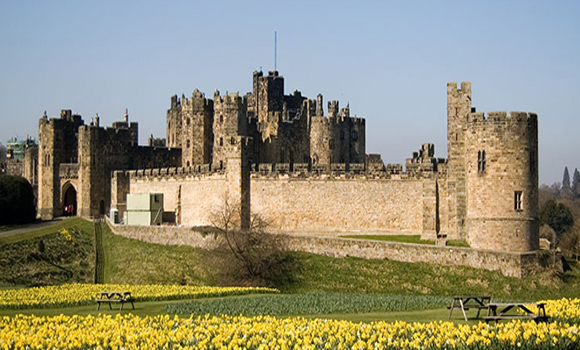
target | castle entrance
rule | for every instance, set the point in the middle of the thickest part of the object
(69, 204)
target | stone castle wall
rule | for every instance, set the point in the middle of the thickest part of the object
(334, 204)
(191, 195)
(509, 264)
(298, 200)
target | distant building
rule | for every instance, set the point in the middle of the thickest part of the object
(21, 158)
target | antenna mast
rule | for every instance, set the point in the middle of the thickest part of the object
(275, 50)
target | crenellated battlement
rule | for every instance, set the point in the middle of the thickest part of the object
(197, 100)
(335, 171)
(501, 117)
(231, 100)
(204, 170)
(465, 88)
(502, 122)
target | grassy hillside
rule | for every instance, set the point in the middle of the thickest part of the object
(135, 262)
(58, 253)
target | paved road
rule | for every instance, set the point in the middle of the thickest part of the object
(29, 227)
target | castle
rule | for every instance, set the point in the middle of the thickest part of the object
(305, 172)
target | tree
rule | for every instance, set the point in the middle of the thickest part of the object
(17, 204)
(576, 183)
(566, 189)
(262, 255)
(557, 216)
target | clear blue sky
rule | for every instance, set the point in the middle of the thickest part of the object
(390, 60)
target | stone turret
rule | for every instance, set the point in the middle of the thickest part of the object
(502, 181)
(458, 108)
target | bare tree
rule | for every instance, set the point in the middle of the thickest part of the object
(259, 252)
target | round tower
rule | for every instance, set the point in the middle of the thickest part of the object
(501, 163)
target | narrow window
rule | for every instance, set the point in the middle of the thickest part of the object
(354, 136)
(188, 121)
(221, 119)
(518, 200)
(481, 162)
(233, 140)
(221, 141)
(188, 144)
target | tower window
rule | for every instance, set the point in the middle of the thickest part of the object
(354, 136)
(221, 119)
(221, 141)
(188, 121)
(518, 200)
(481, 162)
(188, 144)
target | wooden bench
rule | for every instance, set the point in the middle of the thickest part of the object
(500, 311)
(114, 297)
(465, 302)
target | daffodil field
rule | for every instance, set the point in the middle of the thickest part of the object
(267, 332)
(127, 331)
(84, 294)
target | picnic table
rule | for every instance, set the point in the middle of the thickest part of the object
(464, 302)
(500, 311)
(114, 297)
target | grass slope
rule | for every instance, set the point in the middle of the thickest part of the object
(44, 256)
(128, 261)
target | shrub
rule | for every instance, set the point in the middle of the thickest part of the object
(557, 216)
(17, 204)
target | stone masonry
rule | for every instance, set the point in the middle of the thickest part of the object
(304, 169)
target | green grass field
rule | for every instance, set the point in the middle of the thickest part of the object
(415, 239)
(134, 262)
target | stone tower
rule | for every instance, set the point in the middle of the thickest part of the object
(196, 129)
(501, 160)
(458, 108)
(58, 145)
(229, 122)
(174, 123)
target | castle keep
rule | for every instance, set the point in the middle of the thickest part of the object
(285, 129)
(303, 168)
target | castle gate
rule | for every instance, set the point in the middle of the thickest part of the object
(69, 199)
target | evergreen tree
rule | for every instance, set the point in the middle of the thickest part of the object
(576, 183)
(566, 189)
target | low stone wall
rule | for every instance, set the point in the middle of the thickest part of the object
(167, 235)
(509, 264)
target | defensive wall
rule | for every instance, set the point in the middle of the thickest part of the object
(300, 199)
(510, 264)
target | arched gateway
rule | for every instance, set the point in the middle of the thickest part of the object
(69, 200)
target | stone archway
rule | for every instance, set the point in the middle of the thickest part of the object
(69, 200)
